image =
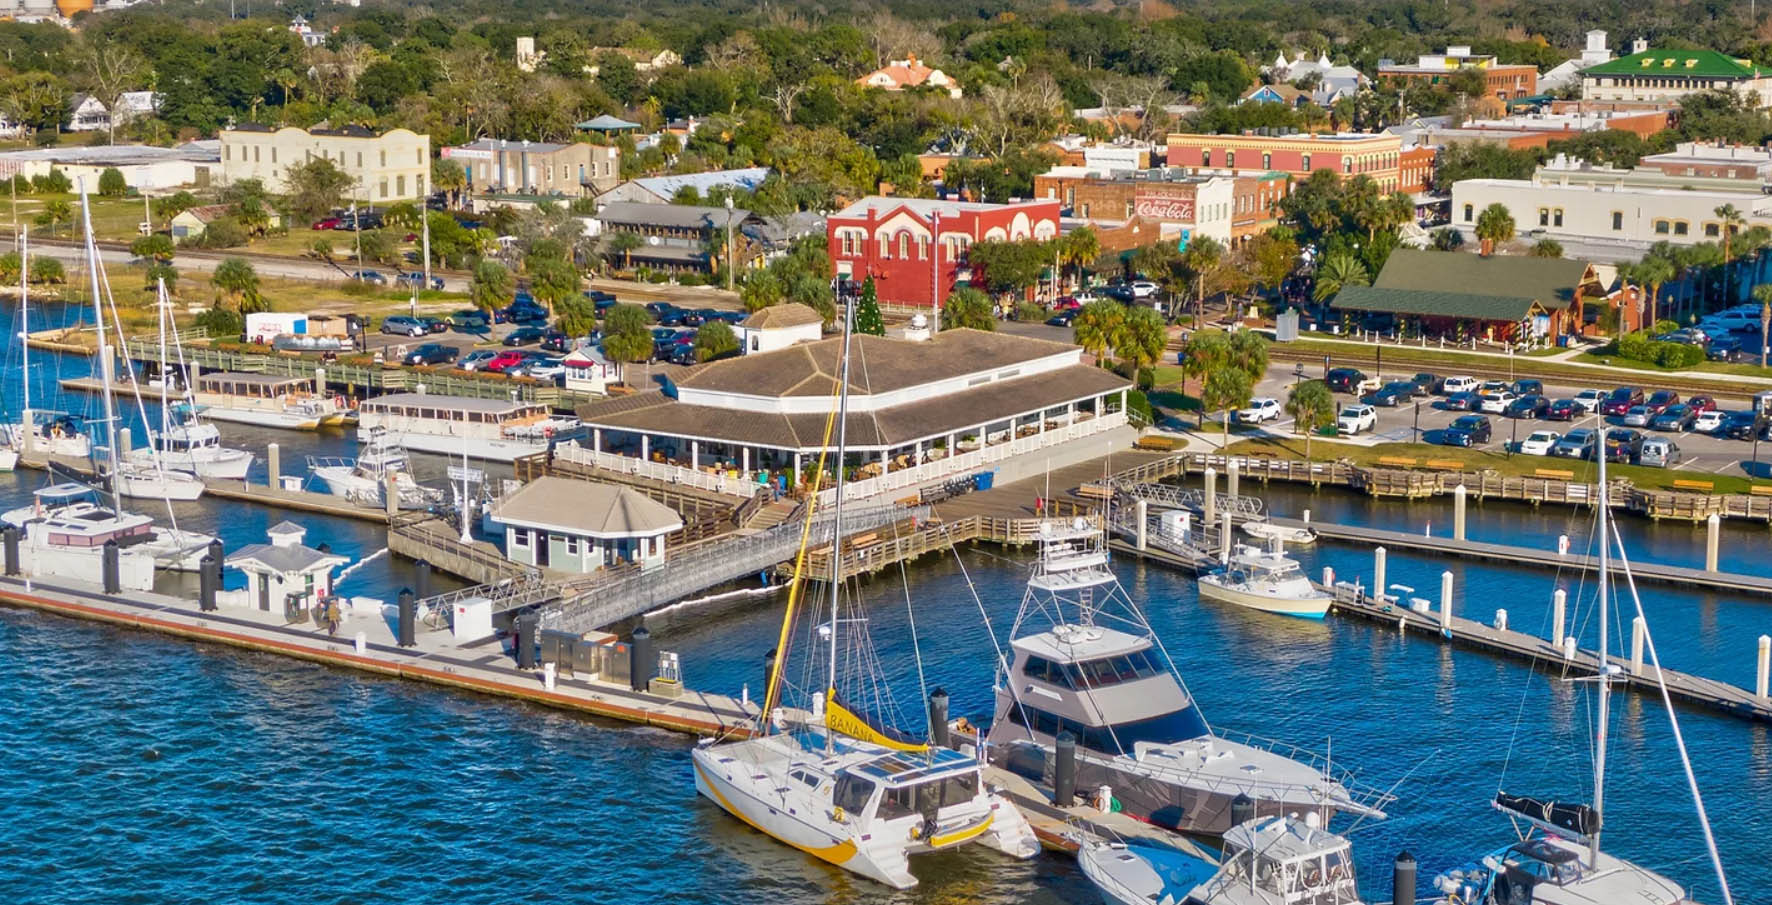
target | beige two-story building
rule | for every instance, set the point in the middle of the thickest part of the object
(387, 166)
(538, 168)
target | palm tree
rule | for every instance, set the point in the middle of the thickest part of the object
(1078, 249)
(237, 281)
(1312, 408)
(1097, 326)
(624, 243)
(1546, 248)
(1763, 295)
(1203, 256)
(1337, 272)
(1140, 340)
(1732, 220)
(56, 211)
(1652, 273)
(1494, 225)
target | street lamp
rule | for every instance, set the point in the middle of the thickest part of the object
(1415, 432)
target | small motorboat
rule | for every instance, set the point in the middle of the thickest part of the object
(1267, 861)
(1300, 536)
(1266, 580)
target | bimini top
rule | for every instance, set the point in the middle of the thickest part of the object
(68, 492)
(1074, 643)
(1284, 839)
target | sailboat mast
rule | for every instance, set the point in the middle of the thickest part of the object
(24, 320)
(104, 351)
(837, 500)
(1605, 678)
(163, 304)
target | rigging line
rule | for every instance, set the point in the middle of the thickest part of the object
(991, 631)
(904, 578)
(1390, 792)
(117, 454)
(1673, 721)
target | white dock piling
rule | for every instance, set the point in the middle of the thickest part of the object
(1558, 601)
(1378, 584)
(549, 672)
(1760, 674)
(1458, 494)
(1307, 516)
(1144, 524)
(1328, 576)
(1638, 629)
(1562, 545)
(123, 444)
(1712, 533)
(1209, 499)
(1446, 603)
(1234, 472)
(1501, 620)
(1224, 538)
(273, 465)
(390, 491)
(1568, 647)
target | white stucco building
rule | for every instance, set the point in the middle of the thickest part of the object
(778, 327)
(286, 573)
(388, 166)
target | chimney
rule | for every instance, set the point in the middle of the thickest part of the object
(1639, 45)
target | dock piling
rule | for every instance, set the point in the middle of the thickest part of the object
(1568, 648)
(641, 662)
(549, 674)
(125, 440)
(421, 579)
(112, 567)
(1501, 620)
(408, 608)
(390, 493)
(1638, 629)
(1403, 879)
(1225, 538)
(1378, 584)
(1242, 809)
(1765, 667)
(1712, 535)
(1064, 770)
(938, 718)
(1233, 475)
(1210, 498)
(1458, 494)
(1144, 524)
(10, 533)
(1328, 576)
(274, 466)
(1307, 516)
(1446, 603)
(206, 584)
(1559, 602)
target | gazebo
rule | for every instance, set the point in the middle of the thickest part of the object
(607, 125)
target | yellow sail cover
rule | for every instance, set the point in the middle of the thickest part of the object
(843, 721)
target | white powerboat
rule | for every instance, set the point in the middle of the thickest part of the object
(1085, 661)
(1279, 860)
(364, 479)
(1299, 536)
(185, 442)
(1266, 580)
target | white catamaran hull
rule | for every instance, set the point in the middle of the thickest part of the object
(301, 421)
(1313, 606)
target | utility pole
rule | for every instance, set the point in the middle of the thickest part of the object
(424, 216)
(731, 265)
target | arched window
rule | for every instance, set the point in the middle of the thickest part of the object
(904, 245)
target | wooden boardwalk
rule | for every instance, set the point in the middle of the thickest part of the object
(300, 500)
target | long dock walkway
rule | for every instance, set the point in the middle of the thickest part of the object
(481, 666)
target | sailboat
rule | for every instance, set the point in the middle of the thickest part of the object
(185, 442)
(38, 431)
(834, 781)
(1565, 865)
(1085, 661)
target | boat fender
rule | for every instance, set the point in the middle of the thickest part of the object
(837, 814)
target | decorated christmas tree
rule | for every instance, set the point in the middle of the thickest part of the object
(867, 311)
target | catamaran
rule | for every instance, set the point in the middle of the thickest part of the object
(1086, 662)
(1267, 861)
(1266, 580)
(185, 442)
(1565, 865)
(835, 781)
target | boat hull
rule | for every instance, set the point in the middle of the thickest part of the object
(285, 420)
(154, 487)
(8, 460)
(476, 448)
(1315, 606)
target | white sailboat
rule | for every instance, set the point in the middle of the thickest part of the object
(837, 785)
(1266, 580)
(1565, 865)
(40, 431)
(364, 479)
(185, 442)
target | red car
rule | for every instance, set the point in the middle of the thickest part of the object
(1702, 404)
(1066, 303)
(328, 223)
(1561, 410)
(1661, 399)
(504, 361)
(1621, 400)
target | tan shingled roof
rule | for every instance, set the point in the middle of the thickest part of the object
(587, 508)
(880, 364)
(792, 314)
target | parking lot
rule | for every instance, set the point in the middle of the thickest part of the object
(1426, 418)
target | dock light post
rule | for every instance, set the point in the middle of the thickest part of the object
(1516, 440)
(1415, 432)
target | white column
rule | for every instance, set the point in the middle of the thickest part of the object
(695, 454)
(744, 454)
(1558, 604)
(796, 466)
(1458, 512)
(1764, 668)
(597, 439)
(1638, 629)
(1712, 535)
(1144, 521)
(1378, 584)
(645, 448)
(1446, 603)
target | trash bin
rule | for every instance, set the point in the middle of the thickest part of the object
(983, 480)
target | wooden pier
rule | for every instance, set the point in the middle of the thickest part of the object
(300, 500)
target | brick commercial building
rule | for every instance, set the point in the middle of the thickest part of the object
(1227, 208)
(386, 166)
(1415, 170)
(538, 168)
(1297, 155)
(915, 248)
(1502, 80)
(1712, 161)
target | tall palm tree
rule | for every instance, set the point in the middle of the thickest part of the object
(1732, 220)
(1078, 249)
(1337, 272)
(1097, 326)
(1652, 273)
(1494, 226)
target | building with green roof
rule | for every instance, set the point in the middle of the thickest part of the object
(1665, 76)
(1499, 298)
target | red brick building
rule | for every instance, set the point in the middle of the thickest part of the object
(1297, 155)
(915, 248)
(1415, 170)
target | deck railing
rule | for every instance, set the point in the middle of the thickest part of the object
(660, 471)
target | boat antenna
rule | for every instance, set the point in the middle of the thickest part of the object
(837, 500)
(104, 350)
(1605, 677)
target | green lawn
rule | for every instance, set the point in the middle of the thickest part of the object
(1447, 361)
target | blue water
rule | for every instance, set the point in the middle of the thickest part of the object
(140, 769)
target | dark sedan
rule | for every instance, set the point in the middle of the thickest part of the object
(1062, 318)
(1451, 436)
(555, 341)
(1620, 401)
(1391, 394)
(1462, 402)
(432, 354)
(1738, 425)
(1527, 407)
(1675, 417)
(1477, 426)
(1561, 410)
(523, 336)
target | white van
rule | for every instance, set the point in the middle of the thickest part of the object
(1459, 384)
(1658, 452)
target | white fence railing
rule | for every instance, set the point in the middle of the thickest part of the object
(938, 469)
(660, 471)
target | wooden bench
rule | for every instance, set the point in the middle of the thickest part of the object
(1445, 464)
(1095, 492)
(1553, 473)
(1157, 442)
(1397, 461)
(1699, 486)
(1760, 490)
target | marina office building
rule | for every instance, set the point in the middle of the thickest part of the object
(920, 410)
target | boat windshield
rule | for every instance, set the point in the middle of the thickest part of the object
(953, 789)
(1324, 879)
(1096, 673)
(1121, 738)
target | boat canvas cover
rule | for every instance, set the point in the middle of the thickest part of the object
(1575, 818)
(843, 721)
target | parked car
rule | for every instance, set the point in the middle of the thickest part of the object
(505, 361)
(684, 354)
(1708, 422)
(1661, 399)
(1262, 408)
(1067, 303)
(1527, 407)
(1539, 443)
(1620, 400)
(470, 320)
(1063, 318)
(673, 317)
(1426, 384)
(555, 341)
(1459, 385)
(1576, 444)
(1527, 387)
(523, 336)
(1677, 417)
(523, 314)
(1391, 394)
(432, 354)
(417, 278)
(1738, 425)
(1462, 402)
(1658, 452)
(551, 368)
(1636, 416)
(372, 277)
(1589, 400)
(327, 223)
(1561, 410)
(434, 324)
(1497, 402)
(1476, 426)
(1356, 418)
(1494, 386)
(1144, 289)
(1622, 446)
(477, 359)
(1344, 380)
(1701, 403)
(1729, 349)
(403, 325)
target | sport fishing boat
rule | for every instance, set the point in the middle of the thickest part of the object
(269, 400)
(1086, 662)
(1264, 531)
(1266, 580)
(835, 781)
(364, 479)
(1557, 860)
(1267, 861)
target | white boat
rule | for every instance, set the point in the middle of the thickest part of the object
(268, 400)
(1557, 858)
(496, 430)
(149, 481)
(364, 479)
(1292, 536)
(38, 431)
(1278, 860)
(833, 782)
(184, 442)
(8, 459)
(1085, 661)
(72, 515)
(1266, 580)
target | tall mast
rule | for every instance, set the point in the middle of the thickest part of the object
(837, 506)
(104, 351)
(24, 321)
(1605, 679)
(162, 303)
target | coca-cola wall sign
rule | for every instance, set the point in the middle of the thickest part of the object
(1168, 206)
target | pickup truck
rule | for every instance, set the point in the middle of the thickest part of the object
(1356, 418)
(1370, 384)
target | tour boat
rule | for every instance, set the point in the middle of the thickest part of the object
(833, 780)
(1564, 865)
(1296, 536)
(1266, 580)
(269, 400)
(497, 430)
(364, 479)
(1085, 661)
(1277, 860)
